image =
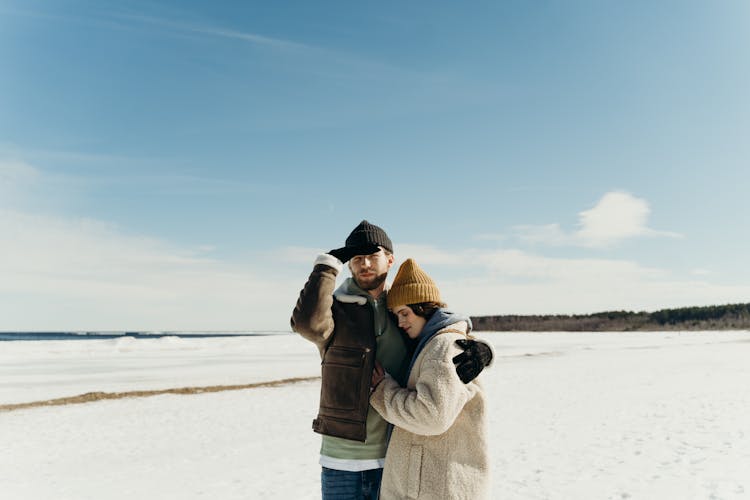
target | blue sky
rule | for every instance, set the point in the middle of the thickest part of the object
(178, 165)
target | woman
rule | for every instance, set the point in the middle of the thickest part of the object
(438, 449)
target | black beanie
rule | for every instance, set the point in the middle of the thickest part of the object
(369, 234)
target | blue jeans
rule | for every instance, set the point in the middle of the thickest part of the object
(345, 485)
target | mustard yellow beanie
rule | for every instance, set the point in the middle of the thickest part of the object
(412, 286)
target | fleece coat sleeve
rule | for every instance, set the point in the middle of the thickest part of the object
(312, 316)
(431, 407)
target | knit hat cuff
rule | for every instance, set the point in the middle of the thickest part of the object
(412, 293)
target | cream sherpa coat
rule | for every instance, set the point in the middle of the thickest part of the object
(438, 449)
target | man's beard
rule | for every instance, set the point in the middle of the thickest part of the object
(371, 283)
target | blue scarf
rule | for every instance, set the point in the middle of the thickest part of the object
(439, 320)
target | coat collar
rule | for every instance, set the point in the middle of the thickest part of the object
(350, 293)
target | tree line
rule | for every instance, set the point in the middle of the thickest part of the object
(720, 317)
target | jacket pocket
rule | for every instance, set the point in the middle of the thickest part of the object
(341, 372)
(414, 475)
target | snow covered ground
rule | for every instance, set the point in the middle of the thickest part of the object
(573, 416)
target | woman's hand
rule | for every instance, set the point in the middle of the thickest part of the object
(378, 374)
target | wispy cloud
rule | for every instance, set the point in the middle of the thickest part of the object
(16, 178)
(512, 263)
(65, 272)
(75, 273)
(69, 272)
(19, 177)
(61, 271)
(121, 19)
(15, 172)
(320, 61)
(616, 217)
(429, 255)
(548, 234)
(314, 60)
(513, 281)
(357, 85)
(214, 31)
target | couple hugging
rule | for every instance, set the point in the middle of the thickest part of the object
(402, 413)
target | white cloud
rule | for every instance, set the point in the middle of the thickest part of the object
(616, 217)
(15, 176)
(587, 294)
(81, 274)
(549, 234)
(67, 273)
(426, 254)
(296, 255)
(490, 237)
(14, 171)
(512, 281)
(253, 38)
(64, 273)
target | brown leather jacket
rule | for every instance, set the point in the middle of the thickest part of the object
(345, 336)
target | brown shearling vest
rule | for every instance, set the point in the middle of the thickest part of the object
(346, 370)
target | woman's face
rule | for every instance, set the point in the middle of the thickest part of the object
(408, 321)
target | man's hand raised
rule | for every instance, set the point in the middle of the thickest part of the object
(344, 254)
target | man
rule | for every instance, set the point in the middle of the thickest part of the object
(352, 328)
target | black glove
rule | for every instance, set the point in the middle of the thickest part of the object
(346, 253)
(471, 362)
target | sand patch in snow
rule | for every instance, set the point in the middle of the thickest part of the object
(91, 397)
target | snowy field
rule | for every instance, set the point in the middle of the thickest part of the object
(573, 416)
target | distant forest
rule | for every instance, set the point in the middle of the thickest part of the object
(726, 317)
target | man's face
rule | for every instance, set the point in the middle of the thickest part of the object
(370, 271)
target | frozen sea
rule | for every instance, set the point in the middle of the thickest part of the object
(647, 415)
